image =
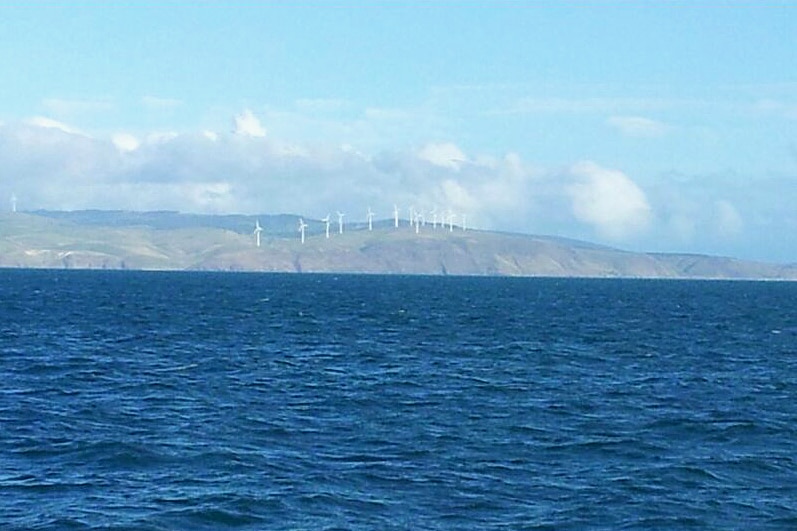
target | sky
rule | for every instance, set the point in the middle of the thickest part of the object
(667, 126)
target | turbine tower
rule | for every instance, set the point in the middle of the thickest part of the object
(412, 215)
(434, 217)
(13, 202)
(340, 222)
(451, 217)
(258, 230)
(418, 220)
(464, 223)
(395, 215)
(326, 223)
(370, 215)
(302, 226)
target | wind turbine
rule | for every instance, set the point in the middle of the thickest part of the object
(370, 219)
(418, 220)
(258, 230)
(434, 217)
(340, 222)
(464, 223)
(451, 217)
(395, 215)
(326, 222)
(412, 214)
(302, 226)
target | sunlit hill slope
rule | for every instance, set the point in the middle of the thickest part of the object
(173, 241)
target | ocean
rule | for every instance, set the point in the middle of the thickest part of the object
(155, 401)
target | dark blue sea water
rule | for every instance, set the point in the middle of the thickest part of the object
(247, 401)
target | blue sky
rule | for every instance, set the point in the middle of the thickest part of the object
(666, 126)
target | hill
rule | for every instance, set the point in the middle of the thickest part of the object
(174, 241)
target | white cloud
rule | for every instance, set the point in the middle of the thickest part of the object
(637, 126)
(445, 155)
(458, 195)
(609, 201)
(247, 124)
(161, 137)
(125, 142)
(49, 123)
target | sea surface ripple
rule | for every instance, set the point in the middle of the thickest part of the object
(155, 401)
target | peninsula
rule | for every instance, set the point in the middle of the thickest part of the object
(94, 239)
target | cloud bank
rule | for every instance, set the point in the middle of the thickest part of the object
(51, 165)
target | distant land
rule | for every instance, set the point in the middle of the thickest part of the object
(96, 239)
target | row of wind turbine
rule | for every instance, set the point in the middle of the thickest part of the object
(416, 220)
